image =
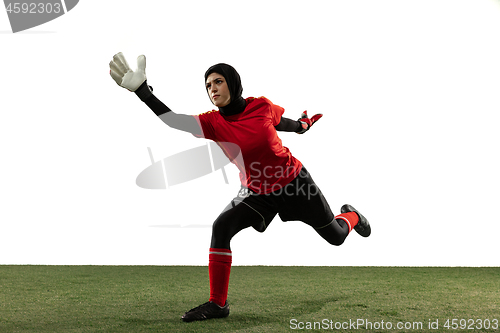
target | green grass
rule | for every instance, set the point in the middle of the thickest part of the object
(263, 299)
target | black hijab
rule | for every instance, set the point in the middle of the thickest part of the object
(233, 80)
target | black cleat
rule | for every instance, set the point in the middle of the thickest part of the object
(205, 311)
(363, 227)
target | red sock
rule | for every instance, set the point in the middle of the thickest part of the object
(219, 268)
(350, 218)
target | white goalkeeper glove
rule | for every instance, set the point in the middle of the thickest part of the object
(122, 74)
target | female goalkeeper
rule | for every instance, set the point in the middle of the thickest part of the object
(273, 180)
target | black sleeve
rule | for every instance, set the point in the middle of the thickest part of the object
(181, 122)
(288, 125)
(145, 93)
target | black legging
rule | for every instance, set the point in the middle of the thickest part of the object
(237, 217)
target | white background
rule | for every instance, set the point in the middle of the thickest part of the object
(410, 92)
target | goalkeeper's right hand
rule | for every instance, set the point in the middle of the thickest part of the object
(122, 74)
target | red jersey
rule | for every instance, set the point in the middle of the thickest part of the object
(266, 165)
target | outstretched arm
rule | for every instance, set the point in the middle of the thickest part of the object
(298, 126)
(288, 125)
(136, 81)
(181, 122)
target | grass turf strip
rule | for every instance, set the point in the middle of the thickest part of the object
(262, 298)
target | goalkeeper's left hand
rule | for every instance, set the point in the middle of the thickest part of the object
(307, 122)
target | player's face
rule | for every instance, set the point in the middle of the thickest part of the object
(218, 90)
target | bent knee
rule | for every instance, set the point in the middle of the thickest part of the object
(337, 242)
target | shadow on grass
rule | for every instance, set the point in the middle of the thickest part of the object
(242, 317)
